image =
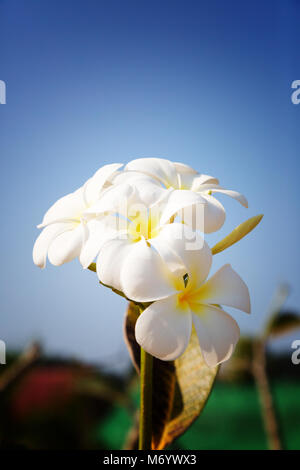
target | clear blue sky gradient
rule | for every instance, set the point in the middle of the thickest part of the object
(94, 82)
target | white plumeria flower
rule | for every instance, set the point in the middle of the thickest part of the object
(190, 190)
(65, 228)
(138, 242)
(183, 298)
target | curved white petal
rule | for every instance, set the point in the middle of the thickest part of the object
(144, 275)
(217, 332)
(159, 168)
(42, 243)
(186, 175)
(163, 329)
(166, 244)
(114, 199)
(189, 247)
(66, 246)
(130, 176)
(147, 191)
(67, 207)
(185, 180)
(112, 178)
(131, 200)
(234, 194)
(198, 210)
(182, 168)
(178, 200)
(214, 188)
(95, 184)
(199, 180)
(225, 287)
(99, 231)
(214, 215)
(110, 260)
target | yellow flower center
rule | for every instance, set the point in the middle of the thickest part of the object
(190, 298)
(143, 226)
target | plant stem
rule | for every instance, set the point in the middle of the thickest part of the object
(24, 361)
(145, 433)
(265, 394)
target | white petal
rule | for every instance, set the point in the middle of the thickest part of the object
(217, 189)
(144, 275)
(95, 184)
(135, 269)
(99, 232)
(199, 210)
(214, 215)
(225, 287)
(186, 175)
(178, 200)
(218, 334)
(43, 241)
(112, 178)
(166, 244)
(131, 199)
(163, 329)
(199, 180)
(115, 199)
(189, 247)
(159, 168)
(182, 168)
(147, 191)
(67, 207)
(186, 180)
(110, 260)
(130, 176)
(66, 246)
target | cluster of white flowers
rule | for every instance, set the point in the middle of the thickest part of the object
(143, 224)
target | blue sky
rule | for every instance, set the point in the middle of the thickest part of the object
(94, 82)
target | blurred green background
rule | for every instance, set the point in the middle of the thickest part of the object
(50, 403)
(231, 420)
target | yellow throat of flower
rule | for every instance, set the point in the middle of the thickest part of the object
(144, 226)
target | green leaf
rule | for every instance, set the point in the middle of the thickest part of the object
(237, 234)
(194, 382)
(180, 388)
(283, 323)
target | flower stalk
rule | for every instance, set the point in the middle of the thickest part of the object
(145, 431)
(266, 399)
